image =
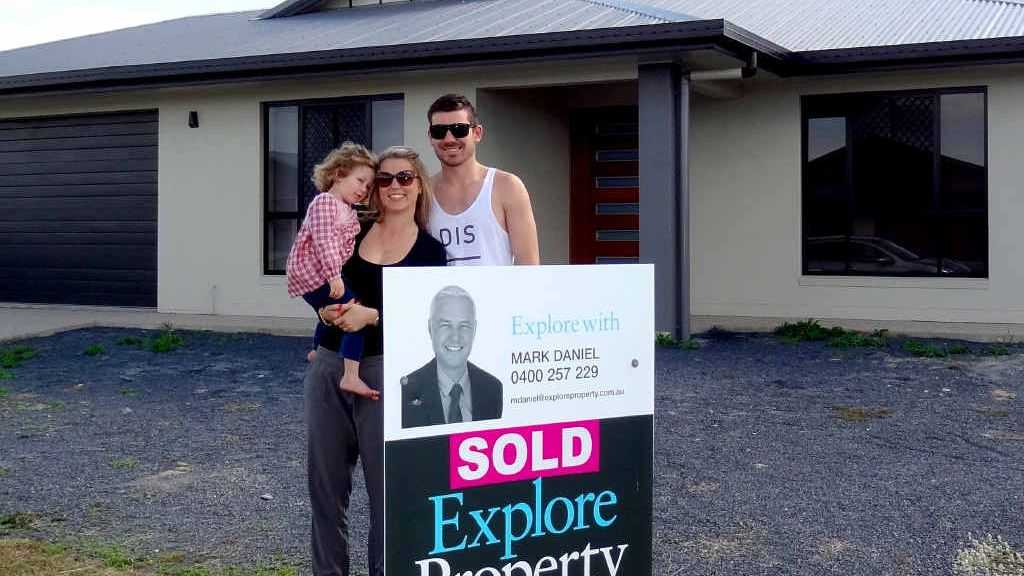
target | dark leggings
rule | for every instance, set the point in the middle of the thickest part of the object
(341, 429)
(351, 343)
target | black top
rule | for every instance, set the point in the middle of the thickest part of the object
(366, 280)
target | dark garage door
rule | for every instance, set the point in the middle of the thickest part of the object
(78, 206)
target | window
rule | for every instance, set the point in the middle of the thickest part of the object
(298, 136)
(895, 184)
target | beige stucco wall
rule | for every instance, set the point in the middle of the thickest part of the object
(746, 207)
(210, 230)
(745, 177)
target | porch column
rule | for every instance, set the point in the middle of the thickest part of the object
(665, 191)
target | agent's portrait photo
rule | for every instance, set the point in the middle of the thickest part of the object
(450, 388)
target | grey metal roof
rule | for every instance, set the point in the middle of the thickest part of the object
(240, 34)
(791, 31)
(802, 25)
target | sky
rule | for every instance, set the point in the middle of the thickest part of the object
(28, 22)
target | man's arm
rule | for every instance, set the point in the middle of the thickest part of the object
(519, 222)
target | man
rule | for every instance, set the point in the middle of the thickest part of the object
(449, 388)
(482, 215)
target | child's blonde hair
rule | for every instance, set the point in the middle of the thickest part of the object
(340, 162)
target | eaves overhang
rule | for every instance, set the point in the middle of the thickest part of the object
(906, 56)
(668, 40)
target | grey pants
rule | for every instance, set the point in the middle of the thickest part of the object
(341, 429)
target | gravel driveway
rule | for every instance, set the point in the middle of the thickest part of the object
(772, 458)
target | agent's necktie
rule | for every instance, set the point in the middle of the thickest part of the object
(454, 409)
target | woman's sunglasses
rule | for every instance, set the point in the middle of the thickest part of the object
(459, 130)
(405, 178)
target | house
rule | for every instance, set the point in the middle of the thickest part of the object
(777, 159)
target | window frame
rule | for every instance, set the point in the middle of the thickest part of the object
(269, 215)
(841, 104)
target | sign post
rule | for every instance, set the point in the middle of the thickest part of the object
(518, 410)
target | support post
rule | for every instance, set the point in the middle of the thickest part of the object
(664, 101)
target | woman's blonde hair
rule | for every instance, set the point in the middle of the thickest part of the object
(426, 197)
(340, 162)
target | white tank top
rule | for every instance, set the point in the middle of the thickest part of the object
(474, 237)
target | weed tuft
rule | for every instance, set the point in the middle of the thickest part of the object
(18, 521)
(4, 472)
(4, 392)
(667, 340)
(6, 374)
(959, 349)
(925, 350)
(95, 350)
(809, 330)
(14, 356)
(860, 413)
(167, 341)
(990, 556)
(998, 350)
(850, 339)
(127, 463)
(131, 341)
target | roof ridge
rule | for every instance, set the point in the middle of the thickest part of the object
(642, 10)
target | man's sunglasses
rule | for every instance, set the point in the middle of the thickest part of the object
(405, 178)
(459, 130)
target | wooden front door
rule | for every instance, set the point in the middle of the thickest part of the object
(605, 198)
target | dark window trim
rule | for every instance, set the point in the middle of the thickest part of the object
(268, 215)
(937, 213)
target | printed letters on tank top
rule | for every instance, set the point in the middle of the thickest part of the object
(473, 237)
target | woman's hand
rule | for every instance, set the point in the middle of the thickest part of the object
(354, 316)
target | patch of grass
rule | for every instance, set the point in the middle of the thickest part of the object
(850, 339)
(113, 556)
(4, 472)
(990, 556)
(4, 392)
(18, 521)
(128, 392)
(127, 463)
(6, 374)
(33, 558)
(95, 350)
(860, 413)
(30, 558)
(925, 350)
(167, 341)
(992, 413)
(131, 341)
(14, 356)
(959, 349)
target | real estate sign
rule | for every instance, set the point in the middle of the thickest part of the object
(518, 410)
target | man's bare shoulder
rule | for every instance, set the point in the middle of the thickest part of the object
(508, 186)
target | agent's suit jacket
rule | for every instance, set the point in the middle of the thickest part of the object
(421, 396)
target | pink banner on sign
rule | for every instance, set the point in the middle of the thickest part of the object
(525, 453)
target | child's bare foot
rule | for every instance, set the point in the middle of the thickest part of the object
(310, 355)
(356, 386)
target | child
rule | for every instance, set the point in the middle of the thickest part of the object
(326, 241)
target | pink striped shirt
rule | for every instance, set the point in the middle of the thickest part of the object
(324, 243)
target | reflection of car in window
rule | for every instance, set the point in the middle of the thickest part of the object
(872, 255)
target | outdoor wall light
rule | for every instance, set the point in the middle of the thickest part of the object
(193, 119)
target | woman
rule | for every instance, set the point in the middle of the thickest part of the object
(342, 427)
